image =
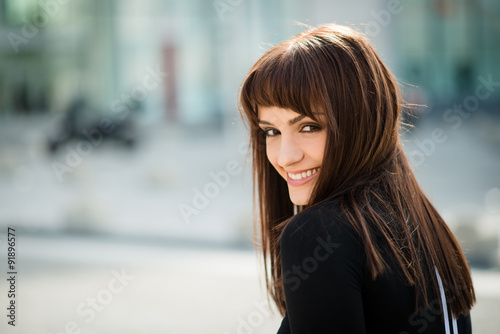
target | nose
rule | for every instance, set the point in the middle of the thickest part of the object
(289, 152)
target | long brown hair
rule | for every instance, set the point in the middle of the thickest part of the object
(333, 70)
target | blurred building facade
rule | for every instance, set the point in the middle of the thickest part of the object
(55, 50)
(444, 46)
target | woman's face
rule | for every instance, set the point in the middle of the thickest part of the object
(295, 145)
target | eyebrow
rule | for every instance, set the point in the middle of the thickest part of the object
(290, 122)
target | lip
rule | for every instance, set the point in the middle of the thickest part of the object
(298, 183)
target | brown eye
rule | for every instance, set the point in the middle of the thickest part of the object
(271, 132)
(310, 128)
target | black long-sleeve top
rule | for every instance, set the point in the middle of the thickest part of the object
(328, 288)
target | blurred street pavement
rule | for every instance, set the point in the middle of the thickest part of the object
(163, 289)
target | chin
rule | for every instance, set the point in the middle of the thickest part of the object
(300, 197)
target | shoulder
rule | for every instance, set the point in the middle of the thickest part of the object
(321, 243)
(324, 219)
(322, 225)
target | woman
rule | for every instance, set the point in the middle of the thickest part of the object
(350, 242)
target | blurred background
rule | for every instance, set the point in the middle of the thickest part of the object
(123, 166)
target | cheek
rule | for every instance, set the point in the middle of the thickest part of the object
(320, 151)
(316, 149)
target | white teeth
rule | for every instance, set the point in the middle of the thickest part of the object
(300, 176)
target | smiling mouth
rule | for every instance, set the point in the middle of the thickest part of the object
(299, 179)
(303, 175)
